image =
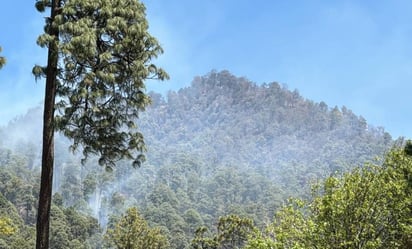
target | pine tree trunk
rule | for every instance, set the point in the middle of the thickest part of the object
(45, 196)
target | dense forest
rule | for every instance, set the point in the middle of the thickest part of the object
(224, 155)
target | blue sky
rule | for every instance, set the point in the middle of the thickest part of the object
(352, 53)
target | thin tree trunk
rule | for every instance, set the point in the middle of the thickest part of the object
(45, 196)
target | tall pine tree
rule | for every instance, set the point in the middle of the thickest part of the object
(99, 55)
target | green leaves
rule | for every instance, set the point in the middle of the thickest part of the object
(41, 5)
(367, 208)
(133, 232)
(2, 60)
(232, 232)
(408, 148)
(39, 72)
(105, 54)
(6, 226)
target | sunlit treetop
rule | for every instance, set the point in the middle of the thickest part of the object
(105, 55)
(6, 226)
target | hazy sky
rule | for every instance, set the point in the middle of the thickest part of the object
(352, 53)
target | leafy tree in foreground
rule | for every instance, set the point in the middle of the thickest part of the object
(99, 54)
(370, 207)
(132, 232)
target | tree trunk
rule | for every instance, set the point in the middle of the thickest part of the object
(45, 196)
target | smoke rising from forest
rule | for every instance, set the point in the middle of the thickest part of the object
(223, 145)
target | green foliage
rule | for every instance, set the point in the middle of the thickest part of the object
(232, 232)
(219, 147)
(369, 207)
(18, 185)
(132, 232)
(18, 192)
(70, 229)
(225, 120)
(99, 55)
(408, 147)
(291, 229)
(14, 233)
(42, 4)
(2, 60)
(105, 53)
(6, 226)
(59, 234)
(202, 240)
(81, 226)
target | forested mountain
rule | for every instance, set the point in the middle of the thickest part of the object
(230, 121)
(222, 146)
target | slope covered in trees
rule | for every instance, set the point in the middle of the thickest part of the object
(227, 120)
(222, 146)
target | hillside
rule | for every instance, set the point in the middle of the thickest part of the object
(223, 145)
(228, 120)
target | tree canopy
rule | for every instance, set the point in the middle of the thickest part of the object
(223, 146)
(133, 232)
(99, 55)
(370, 207)
(105, 54)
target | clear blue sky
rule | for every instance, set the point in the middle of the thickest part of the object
(352, 53)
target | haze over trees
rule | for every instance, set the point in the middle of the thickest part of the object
(370, 207)
(222, 151)
(230, 164)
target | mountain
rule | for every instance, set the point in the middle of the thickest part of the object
(230, 120)
(223, 145)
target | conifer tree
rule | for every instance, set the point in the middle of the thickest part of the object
(99, 55)
(133, 232)
(2, 60)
